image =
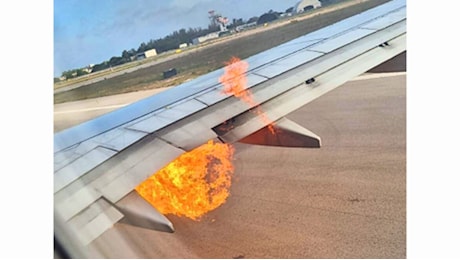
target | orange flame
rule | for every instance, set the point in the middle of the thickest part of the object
(234, 81)
(193, 184)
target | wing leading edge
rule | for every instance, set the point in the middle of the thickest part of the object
(98, 164)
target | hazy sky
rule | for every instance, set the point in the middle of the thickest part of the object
(89, 32)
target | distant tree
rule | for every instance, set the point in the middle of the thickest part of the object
(101, 66)
(235, 23)
(253, 19)
(68, 74)
(268, 17)
(142, 47)
(74, 73)
(126, 56)
(289, 10)
(115, 61)
(81, 72)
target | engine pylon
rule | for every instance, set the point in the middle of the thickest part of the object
(140, 213)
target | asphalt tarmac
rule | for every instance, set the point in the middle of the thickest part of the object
(344, 200)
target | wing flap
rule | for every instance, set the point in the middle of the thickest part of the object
(80, 166)
(133, 166)
(94, 220)
(75, 202)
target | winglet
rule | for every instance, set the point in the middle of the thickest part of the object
(284, 133)
(140, 213)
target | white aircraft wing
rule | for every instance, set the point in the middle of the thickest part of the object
(97, 164)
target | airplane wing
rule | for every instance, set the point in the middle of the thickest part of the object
(98, 164)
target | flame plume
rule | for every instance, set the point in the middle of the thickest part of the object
(193, 184)
(234, 81)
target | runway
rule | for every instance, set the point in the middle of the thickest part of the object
(344, 200)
